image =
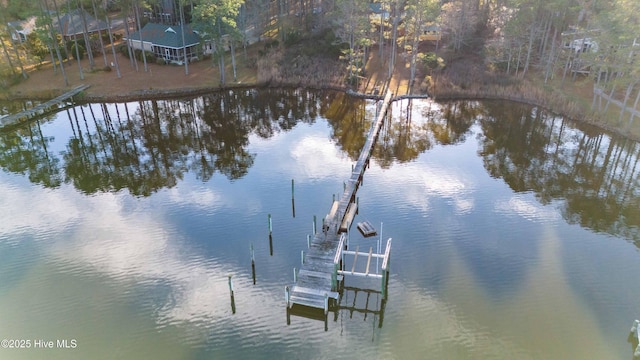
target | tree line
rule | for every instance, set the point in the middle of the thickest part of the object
(551, 38)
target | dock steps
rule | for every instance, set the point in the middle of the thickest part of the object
(310, 297)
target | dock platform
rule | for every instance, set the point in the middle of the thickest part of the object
(41, 108)
(316, 283)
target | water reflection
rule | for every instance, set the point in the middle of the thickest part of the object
(494, 271)
(150, 145)
(595, 174)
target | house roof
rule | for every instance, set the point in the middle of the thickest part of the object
(71, 23)
(23, 26)
(166, 35)
(376, 8)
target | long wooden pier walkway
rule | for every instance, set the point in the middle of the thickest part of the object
(317, 280)
(41, 108)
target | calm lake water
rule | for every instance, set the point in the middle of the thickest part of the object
(515, 232)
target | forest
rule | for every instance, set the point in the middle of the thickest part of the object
(552, 41)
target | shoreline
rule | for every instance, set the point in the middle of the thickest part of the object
(93, 94)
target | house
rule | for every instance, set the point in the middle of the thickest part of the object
(430, 32)
(71, 24)
(378, 11)
(165, 41)
(21, 28)
(582, 45)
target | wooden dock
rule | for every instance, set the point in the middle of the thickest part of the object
(41, 108)
(317, 281)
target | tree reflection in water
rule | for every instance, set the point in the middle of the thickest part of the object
(149, 145)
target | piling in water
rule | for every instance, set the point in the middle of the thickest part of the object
(293, 207)
(253, 265)
(270, 245)
(233, 300)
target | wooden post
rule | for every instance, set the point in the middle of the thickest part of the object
(288, 302)
(270, 225)
(308, 241)
(381, 318)
(287, 295)
(253, 265)
(295, 275)
(334, 277)
(314, 225)
(292, 188)
(302, 257)
(233, 300)
(326, 303)
(293, 207)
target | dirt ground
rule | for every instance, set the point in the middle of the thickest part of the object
(202, 74)
(44, 83)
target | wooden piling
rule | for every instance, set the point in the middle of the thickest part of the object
(253, 265)
(326, 303)
(287, 295)
(233, 300)
(293, 208)
(314, 225)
